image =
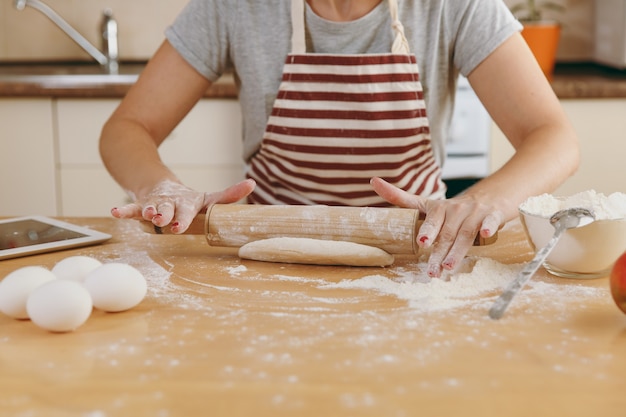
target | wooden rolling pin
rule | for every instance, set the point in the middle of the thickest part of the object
(233, 225)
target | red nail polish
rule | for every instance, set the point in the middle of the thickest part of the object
(424, 239)
(175, 224)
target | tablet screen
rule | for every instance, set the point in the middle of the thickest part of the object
(36, 234)
(32, 232)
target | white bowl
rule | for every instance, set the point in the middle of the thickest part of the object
(584, 252)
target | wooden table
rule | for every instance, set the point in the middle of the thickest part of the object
(218, 336)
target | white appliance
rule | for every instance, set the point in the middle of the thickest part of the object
(610, 33)
(467, 149)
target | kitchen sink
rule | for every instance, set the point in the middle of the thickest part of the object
(68, 74)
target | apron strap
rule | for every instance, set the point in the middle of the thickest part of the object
(298, 43)
(400, 44)
(298, 39)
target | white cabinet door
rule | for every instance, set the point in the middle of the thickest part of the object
(601, 127)
(204, 151)
(27, 157)
(86, 187)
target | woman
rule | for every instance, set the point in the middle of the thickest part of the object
(346, 102)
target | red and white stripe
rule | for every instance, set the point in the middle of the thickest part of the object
(337, 121)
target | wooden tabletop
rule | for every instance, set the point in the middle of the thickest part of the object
(219, 336)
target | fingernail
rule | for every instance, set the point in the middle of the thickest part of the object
(434, 271)
(449, 265)
(424, 241)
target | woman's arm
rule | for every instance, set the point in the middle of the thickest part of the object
(165, 92)
(521, 101)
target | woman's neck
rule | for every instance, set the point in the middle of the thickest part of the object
(342, 10)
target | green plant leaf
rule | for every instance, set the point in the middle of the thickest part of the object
(531, 11)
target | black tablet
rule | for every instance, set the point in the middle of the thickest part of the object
(22, 236)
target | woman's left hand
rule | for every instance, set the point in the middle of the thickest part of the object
(450, 226)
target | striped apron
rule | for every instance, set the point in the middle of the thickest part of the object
(339, 120)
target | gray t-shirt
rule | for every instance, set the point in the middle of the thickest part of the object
(254, 37)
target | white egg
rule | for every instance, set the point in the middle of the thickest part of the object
(17, 286)
(75, 268)
(59, 305)
(116, 287)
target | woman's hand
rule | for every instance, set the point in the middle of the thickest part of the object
(450, 226)
(173, 203)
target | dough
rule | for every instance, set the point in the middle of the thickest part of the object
(116, 287)
(59, 305)
(315, 251)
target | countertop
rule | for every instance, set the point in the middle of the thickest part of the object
(571, 81)
(580, 81)
(221, 336)
(83, 80)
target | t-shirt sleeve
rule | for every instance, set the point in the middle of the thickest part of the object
(481, 27)
(200, 34)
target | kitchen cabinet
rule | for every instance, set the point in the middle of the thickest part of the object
(84, 184)
(52, 147)
(51, 166)
(600, 124)
(27, 157)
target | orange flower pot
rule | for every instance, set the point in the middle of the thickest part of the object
(543, 40)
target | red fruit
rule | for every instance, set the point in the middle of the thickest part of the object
(618, 282)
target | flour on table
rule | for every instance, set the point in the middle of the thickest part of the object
(478, 277)
(236, 270)
(476, 283)
(160, 286)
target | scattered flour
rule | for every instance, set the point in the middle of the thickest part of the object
(605, 207)
(279, 325)
(236, 270)
(160, 286)
(478, 277)
(158, 278)
(476, 283)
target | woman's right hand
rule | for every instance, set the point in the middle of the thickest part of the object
(175, 204)
(129, 143)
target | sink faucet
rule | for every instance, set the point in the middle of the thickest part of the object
(108, 58)
(109, 41)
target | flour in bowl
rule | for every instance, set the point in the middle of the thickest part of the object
(605, 207)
